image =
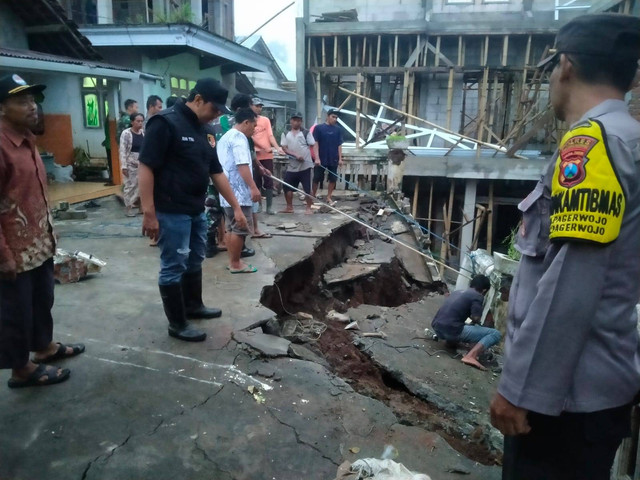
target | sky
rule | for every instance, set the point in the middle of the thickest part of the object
(279, 34)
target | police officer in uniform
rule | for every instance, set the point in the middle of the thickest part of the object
(572, 367)
(177, 159)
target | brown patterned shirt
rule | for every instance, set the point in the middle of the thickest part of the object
(26, 226)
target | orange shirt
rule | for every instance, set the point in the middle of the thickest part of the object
(261, 138)
(26, 226)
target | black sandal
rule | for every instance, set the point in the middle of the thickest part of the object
(61, 353)
(34, 380)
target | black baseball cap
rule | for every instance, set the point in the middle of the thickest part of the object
(611, 35)
(13, 84)
(297, 115)
(212, 91)
(334, 111)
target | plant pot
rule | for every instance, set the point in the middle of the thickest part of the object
(398, 143)
(503, 264)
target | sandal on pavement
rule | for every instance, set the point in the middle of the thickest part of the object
(61, 353)
(262, 235)
(35, 379)
(247, 269)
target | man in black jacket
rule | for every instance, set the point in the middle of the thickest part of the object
(178, 156)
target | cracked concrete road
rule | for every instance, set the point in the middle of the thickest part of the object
(140, 404)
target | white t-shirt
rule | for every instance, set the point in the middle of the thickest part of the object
(299, 146)
(233, 150)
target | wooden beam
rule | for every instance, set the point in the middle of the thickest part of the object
(364, 51)
(449, 98)
(38, 29)
(430, 208)
(437, 52)
(505, 50)
(378, 51)
(319, 97)
(335, 51)
(439, 55)
(524, 139)
(348, 50)
(414, 56)
(395, 52)
(309, 52)
(490, 219)
(426, 122)
(358, 108)
(460, 59)
(324, 53)
(414, 208)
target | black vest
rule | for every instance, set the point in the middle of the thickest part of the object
(180, 185)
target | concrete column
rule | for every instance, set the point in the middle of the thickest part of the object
(196, 11)
(466, 236)
(301, 78)
(105, 11)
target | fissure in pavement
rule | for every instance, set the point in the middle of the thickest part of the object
(299, 288)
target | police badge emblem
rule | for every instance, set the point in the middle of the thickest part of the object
(212, 140)
(573, 157)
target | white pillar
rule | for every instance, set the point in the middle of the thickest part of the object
(466, 236)
(196, 11)
(105, 11)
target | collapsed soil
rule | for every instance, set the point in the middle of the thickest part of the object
(300, 288)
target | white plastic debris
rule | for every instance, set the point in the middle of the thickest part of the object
(375, 469)
(352, 326)
(341, 317)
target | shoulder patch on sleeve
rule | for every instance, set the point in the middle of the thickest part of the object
(586, 197)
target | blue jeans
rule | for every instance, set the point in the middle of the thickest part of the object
(488, 337)
(182, 244)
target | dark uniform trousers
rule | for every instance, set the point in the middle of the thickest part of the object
(26, 324)
(572, 446)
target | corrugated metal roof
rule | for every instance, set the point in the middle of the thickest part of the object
(46, 57)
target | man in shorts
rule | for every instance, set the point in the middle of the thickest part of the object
(328, 137)
(235, 158)
(296, 143)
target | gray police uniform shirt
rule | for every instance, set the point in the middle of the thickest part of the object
(572, 338)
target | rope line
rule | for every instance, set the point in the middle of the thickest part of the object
(366, 225)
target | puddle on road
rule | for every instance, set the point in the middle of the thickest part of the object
(300, 288)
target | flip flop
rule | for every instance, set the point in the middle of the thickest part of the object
(286, 211)
(262, 235)
(61, 353)
(42, 370)
(247, 269)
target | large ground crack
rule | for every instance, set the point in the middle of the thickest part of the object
(300, 288)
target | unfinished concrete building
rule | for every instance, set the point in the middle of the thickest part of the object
(458, 78)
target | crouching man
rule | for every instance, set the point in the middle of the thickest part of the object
(449, 322)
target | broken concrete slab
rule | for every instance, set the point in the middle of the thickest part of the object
(268, 345)
(398, 227)
(303, 353)
(348, 272)
(413, 262)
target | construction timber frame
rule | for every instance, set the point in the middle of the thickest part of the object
(500, 93)
(483, 84)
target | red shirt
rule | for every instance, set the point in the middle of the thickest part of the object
(26, 226)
